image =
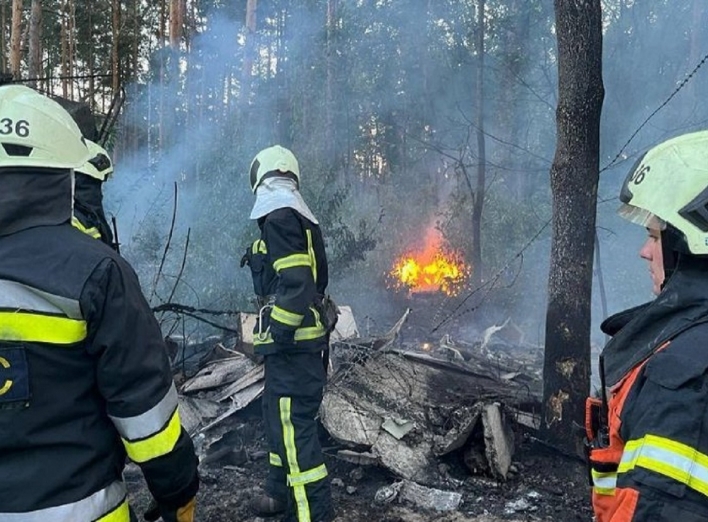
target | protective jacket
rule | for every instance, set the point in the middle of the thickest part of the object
(89, 216)
(84, 375)
(648, 440)
(289, 268)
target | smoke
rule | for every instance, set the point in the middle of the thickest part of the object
(402, 82)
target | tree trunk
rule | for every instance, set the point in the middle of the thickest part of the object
(71, 40)
(249, 52)
(175, 23)
(35, 42)
(574, 179)
(478, 196)
(115, 56)
(329, 127)
(3, 36)
(65, 49)
(16, 38)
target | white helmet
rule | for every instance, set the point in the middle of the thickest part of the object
(276, 161)
(669, 185)
(99, 166)
(35, 131)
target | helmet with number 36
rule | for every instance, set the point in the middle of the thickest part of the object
(667, 189)
(35, 131)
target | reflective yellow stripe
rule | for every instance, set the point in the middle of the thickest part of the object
(303, 506)
(157, 445)
(283, 316)
(259, 247)
(604, 482)
(120, 514)
(667, 457)
(309, 333)
(311, 251)
(274, 460)
(22, 326)
(306, 477)
(291, 261)
(92, 231)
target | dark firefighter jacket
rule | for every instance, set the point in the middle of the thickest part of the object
(89, 216)
(289, 268)
(649, 458)
(84, 376)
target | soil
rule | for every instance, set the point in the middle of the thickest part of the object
(547, 486)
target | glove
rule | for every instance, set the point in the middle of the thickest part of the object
(182, 514)
(281, 334)
(246, 259)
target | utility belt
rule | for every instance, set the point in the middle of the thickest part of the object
(324, 304)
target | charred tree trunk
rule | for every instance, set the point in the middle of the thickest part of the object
(16, 38)
(34, 64)
(574, 179)
(478, 196)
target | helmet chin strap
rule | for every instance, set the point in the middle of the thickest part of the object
(672, 244)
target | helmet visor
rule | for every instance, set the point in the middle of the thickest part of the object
(641, 217)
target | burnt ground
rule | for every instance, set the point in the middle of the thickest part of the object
(546, 486)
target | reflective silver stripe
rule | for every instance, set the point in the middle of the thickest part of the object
(16, 296)
(150, 422)
(667, 457)
(90, 508)
(605, 482)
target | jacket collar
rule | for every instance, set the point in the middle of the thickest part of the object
(33, 197)
(641, 330)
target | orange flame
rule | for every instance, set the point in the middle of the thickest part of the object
(432, 269)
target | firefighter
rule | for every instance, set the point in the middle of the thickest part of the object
(84, 374)
(89, 216)
(648, 434)
(289, 269)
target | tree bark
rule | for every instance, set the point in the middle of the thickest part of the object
(480, 188)
(176, 23)
(115, 56)
(65, 48)
(329, 127)
(34, 65)
(16, 38)
(574, 179)
(249, 52)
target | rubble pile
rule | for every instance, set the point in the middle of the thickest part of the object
(402, 406)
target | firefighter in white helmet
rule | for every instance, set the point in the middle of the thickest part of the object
(84, 375)
(89, 214)
(647, 435)
(289, 269)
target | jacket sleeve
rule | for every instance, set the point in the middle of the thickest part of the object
(665, 458)
(134, 376)
(292, 260)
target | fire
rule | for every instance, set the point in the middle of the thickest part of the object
(432, 269)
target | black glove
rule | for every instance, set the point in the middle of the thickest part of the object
(281, 334)
(246, 259)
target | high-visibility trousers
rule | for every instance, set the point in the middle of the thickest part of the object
(291, 399)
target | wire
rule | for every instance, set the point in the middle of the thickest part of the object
(681, 85)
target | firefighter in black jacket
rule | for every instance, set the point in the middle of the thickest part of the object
(289, 270)
(84, 375)
(89, 215)
(648, 435)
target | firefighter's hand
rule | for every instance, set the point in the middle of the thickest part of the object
(182, 514)
(246, 259)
